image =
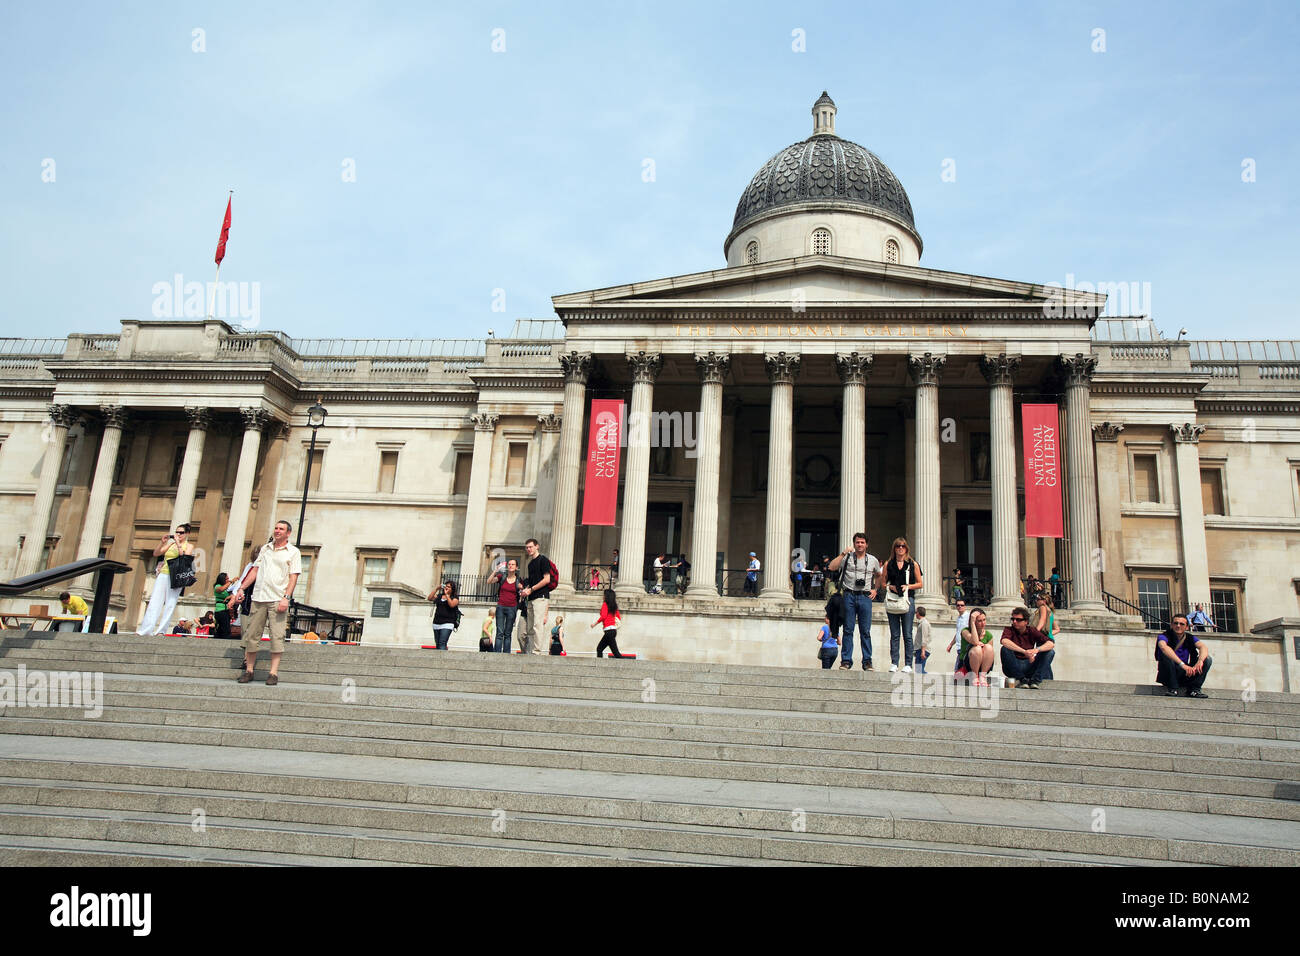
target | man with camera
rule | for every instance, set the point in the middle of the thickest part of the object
(538, 584)
(858, 578)
(273, 579)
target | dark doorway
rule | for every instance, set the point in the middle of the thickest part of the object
(663, 534)
(974, 555)
(819, 538)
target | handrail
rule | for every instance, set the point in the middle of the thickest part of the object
(104, 570)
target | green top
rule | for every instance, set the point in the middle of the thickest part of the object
(966, 645)
(221, 594)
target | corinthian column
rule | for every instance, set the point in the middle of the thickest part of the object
(471, 556)
(200, 422)
(548, 436)
(1085, 561)
(62, 417)
(1000, 371)
(1191, 512)
(636, 486)
(101, 486)
(1105, 437)
(577, 367)
(854, 370)
(782, 369)
(241, 501)
(704, 537)
(927, 548)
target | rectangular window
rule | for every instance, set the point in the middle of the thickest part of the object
(516, 465)
(317, 465)
(450, 572)
(1146, 478)
(387, 471)
(304, 579)
(1153, 602)
(375, 571)
(464, 462)
(1212, 491)
(1223, 609)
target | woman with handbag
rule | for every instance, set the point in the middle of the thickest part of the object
(902, 579)
(177, 557)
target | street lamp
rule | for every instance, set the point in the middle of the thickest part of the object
(315, 419)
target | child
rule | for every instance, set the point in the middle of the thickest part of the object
(922, 640)
(830, 645)
(488, 641)
(557, 637)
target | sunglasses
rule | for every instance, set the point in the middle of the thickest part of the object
(1017, 619)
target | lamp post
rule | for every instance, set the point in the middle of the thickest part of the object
(315, 418)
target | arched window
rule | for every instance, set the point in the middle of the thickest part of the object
(751, 252)
(821, 242)
(891, 250)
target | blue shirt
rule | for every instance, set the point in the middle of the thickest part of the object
(827, 639)
(753, 567)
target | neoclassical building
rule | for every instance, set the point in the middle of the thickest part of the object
(820, 383)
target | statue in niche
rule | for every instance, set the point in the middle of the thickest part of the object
(979, 456)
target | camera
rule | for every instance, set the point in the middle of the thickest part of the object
(860, 583)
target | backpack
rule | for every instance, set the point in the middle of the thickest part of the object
(460, 616)
(555, 575)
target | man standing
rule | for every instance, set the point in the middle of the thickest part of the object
(1026, 651)
(858, 578)
(1201, 621)
(273, 577)
(751, 574)
(683, 575)
(538, 585)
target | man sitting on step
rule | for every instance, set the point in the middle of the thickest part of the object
(1026, 651)
(1182, 659)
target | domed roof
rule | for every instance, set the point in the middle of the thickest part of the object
(824, 168)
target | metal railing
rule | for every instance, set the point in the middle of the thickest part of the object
(104, 569)
(592, 577)
(330, 625)
(1118, 605)
(732, 583)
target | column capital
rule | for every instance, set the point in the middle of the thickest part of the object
(926, 369)
(275, 428)
(782, 367)
(549, 423)
(115, 416)
(485, 421)
(999, 369)
(713, 367)
(255, 418)
(64, 416)
(1187, 433)
(200, 417)
(855, 367)
(1107, 431)
(1078, 368)
(645, 366)
(576, 366)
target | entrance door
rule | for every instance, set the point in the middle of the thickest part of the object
(974, 555)
(819, 539)
(663, 534)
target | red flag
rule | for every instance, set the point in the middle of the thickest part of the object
(1043, 518)
(600, 501)
(225, 234)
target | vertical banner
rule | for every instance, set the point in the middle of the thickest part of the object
(1041, 427)
(600, 498)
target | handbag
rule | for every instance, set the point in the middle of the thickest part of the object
(181, 571)
(900, 603)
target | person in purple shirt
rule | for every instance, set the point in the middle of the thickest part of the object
(1182, 659)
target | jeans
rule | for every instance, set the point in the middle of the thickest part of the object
(1022, 669)
(903, 623)
(441, 635)
(920, 662)
(857, 607)
(505, 627)
(827, 656)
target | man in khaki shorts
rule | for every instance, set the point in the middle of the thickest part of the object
(273, 579)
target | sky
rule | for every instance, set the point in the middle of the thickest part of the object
(430, 170)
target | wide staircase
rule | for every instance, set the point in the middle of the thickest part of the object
(367, 755)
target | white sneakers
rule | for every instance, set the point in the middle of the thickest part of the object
(894, 667)
(907, 669)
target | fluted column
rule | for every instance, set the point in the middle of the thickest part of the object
(726, 477)
(62, 417)
(241, 501)
(854, 370)
(927, 548)
(1109, 519)
(548, 437)
(200, 421)
(577, 368)
(471, 556)
(636, 485)
(782, 369)
(101, 486)
(1191, 512)
(1000, 370)
(1085, 568)
(704, 536)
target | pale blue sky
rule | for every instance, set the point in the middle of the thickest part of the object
(522, 170)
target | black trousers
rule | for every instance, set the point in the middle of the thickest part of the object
(223, 625)
(1172, 676)
(608, 641)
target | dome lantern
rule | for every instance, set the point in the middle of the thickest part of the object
(823, 112)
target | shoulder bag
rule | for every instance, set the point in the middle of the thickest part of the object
(900, 603)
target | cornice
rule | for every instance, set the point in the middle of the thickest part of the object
(1237, 406)
(1183, 389)
(779, 312)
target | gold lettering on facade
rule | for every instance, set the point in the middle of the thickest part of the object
(947, 330)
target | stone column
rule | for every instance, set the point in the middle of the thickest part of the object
(241, 501)
(907, 414)
(726, 477)
(200, 421)
(928, 546)
(636, 485)
(577, 367)
(1191, 512)
(548, 437)
(1000, 370)
(854, 370)
(1106, 441)
(471, 556)
(1085, 565)
(782, 369)
(704, 536)
(62, 418)
(101, 486)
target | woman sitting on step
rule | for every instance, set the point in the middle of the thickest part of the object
(977, 648)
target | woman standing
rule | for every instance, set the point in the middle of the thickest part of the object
(221, 592)
(609, 618)
(163, 600)
(444, 613)
(507, 604)
(977, 648)
(903, 579)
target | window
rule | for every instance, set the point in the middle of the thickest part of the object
(1153, 602)
(178, 462)
(751, 253)
(316, 466)
(1146, 478)
(301, 589)
(1223, 609)
(374, 570)
(516, 464)
(48, 552)
(450, 571)
(1212, 491)
(464, 462)
(821, 242)
(891, 250)
(387, 471)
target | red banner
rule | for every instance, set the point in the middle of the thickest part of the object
(1041, 427)
(600, 501)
